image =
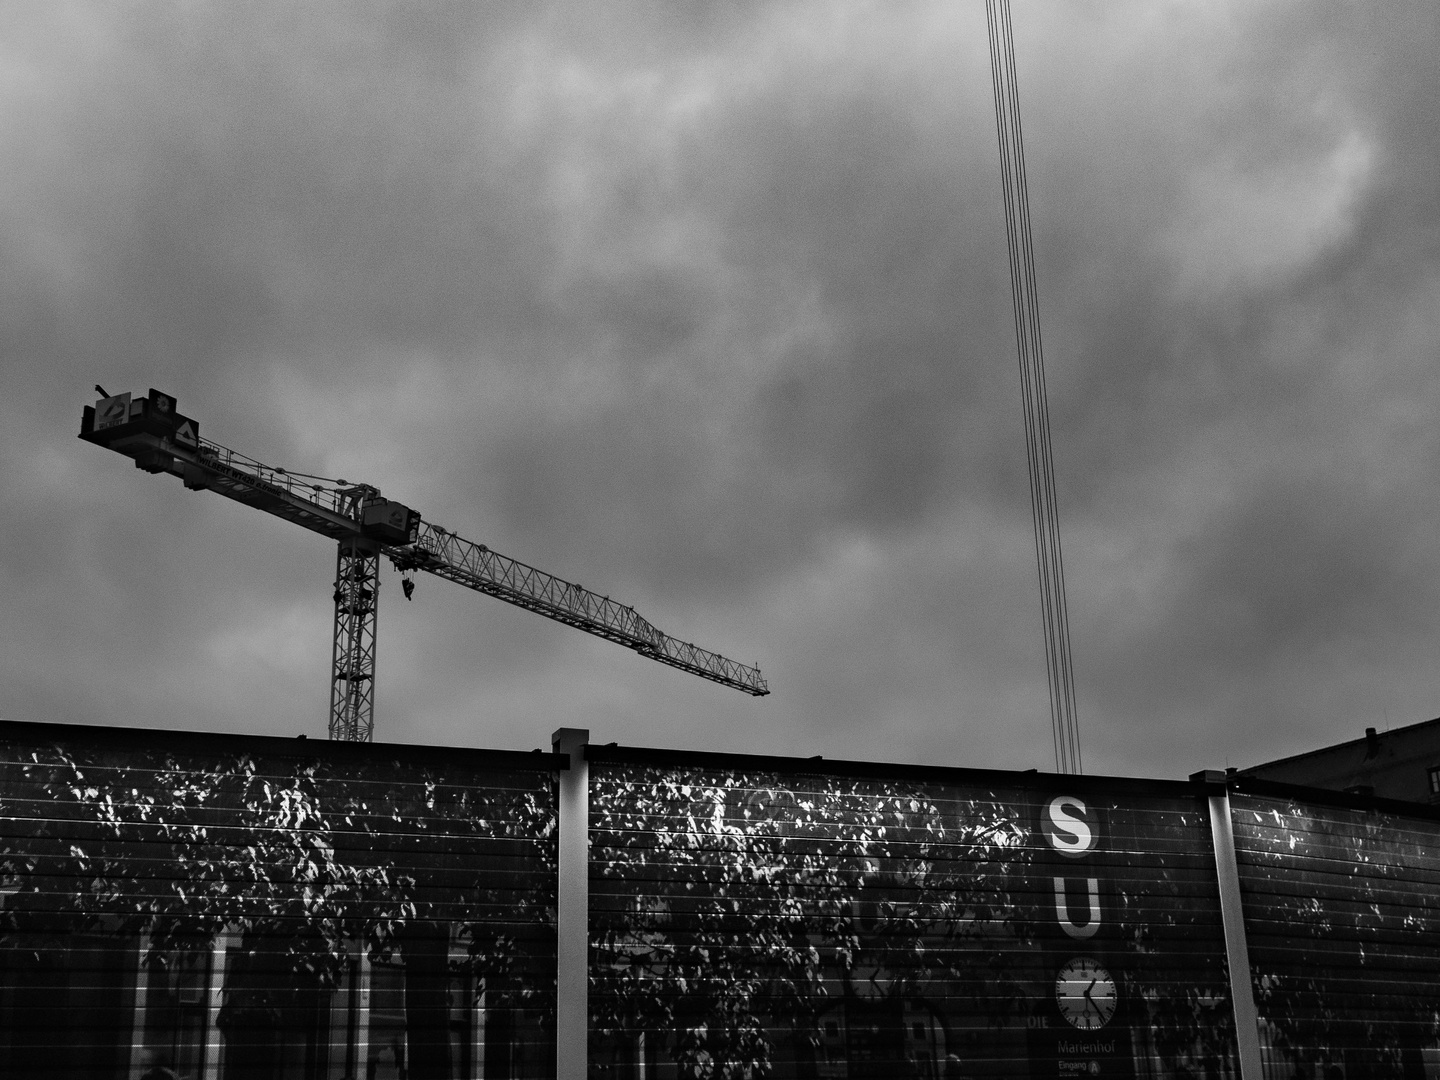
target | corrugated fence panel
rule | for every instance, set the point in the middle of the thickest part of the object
(812, 925)
(227, 907)
(1342, 911)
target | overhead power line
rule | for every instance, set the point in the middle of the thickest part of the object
(1064, 717)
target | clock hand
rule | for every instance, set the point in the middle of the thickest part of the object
(1089, 1001)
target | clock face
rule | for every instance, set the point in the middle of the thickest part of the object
(871, 982)
(1086, 994)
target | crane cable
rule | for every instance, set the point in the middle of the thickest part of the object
(1064, 717)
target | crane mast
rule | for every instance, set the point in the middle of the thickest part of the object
(365, 526)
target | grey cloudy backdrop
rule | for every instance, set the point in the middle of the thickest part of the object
(706, 306)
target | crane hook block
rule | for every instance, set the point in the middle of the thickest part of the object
(390, 522)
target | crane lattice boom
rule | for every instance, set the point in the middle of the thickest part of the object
(366, 526)
(447, 555)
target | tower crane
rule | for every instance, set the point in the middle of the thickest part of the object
(366, 525)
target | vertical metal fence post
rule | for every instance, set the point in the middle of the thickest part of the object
(1237, 951)
(572, 931)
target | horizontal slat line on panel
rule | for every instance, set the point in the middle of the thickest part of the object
(1397, 944)
(1411, 981)
(512, 874)
(140, 841)
(1400, 895)
(1412, 859)
(43, 799)
(219, 828)
(1304, 881)
(937, 952)
(845, 856)
(20, 738)
(718, 850)
(930, 921)
(1414, 913)
(1302, 907)
(622, 800)
(189, 833)
(1263, 848)
(107, 985)
(954, 834)
(1023, 892)
(1325, 883)
(239, 837)
(213, 881)
(1418, 868)
(461, 913)
(1397, 842)
(104, 895)
(223, 818)
(1156, 974)
(37, 780)
(873, 796)
(535, 943)
(154, 762)
(1304, 956)
(933, 944)
(1255, 808)
(706, 841)
(767, 859)
(872, 799)
(1411, 867)
(217, 825)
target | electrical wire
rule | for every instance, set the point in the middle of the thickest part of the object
(1039, 451)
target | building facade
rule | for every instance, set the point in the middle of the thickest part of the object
(1401, 763)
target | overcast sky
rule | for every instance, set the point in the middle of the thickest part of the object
(706, 306)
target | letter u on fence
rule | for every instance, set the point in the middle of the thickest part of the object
(1062, 910)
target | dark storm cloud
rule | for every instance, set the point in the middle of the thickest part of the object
(706, 306)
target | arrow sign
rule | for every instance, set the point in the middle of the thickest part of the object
(112, 412)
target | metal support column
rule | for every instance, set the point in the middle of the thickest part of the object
(572, 932)
(352, 667)
(1237, 951)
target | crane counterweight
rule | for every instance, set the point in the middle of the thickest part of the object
(366, 525)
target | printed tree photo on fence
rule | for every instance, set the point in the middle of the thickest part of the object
(732, 909)
(1343, 917)
(298, 864)
(1160, 867)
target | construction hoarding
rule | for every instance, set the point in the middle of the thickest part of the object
(227, 907)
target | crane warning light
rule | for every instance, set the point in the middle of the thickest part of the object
(390, 522)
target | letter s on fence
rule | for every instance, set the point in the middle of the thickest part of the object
(1066, 828)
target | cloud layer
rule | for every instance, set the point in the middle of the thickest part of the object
(706, 307)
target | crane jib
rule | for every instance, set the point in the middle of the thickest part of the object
(151, 431)
(445, 554)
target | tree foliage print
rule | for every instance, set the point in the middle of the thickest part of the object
(725, 904)
(287, 852)
(1343, 917)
